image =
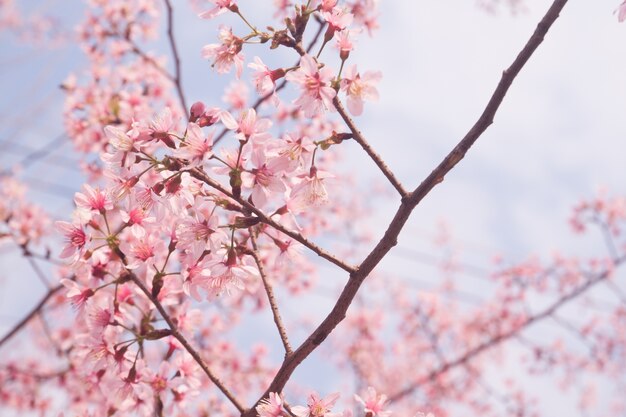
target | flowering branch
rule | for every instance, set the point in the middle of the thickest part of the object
(280, 86)
(471, 353)
(202, 176)
(176, 333)
(409, 202)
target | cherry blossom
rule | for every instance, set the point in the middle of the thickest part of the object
(227, 53)
(221, 6)
(317, 94)
(359, 88)
(271, 407)
(317, 407)
(374, 404)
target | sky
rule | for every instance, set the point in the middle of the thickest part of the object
(557, 138)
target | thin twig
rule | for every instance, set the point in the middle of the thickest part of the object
(389, 239)
(270, 296)
(177, 72)
(38, 272)
(33, 312)
(360, 139)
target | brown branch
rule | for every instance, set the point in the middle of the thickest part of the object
(389, 239)
(270, 296)
(177, 72)
(202, 176)
(178, 335)
(360, 139)
(33, 312)
(471, 353)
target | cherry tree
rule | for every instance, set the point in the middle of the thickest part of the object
(196, 217)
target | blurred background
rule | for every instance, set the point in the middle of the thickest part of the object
(558, 137)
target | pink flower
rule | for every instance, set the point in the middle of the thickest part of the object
(264, 78)
(621, 11)
(93, 199)
(374, 404)
(270, 407)
(266, 177)
(228, 274)
(317, 407)
(75, 237)
(309, 193)
(345, 42)
(161, 126)
(337, 19)
(122, 145)
(227, 53)
(195, 232)
(248, 127)
(327, 5)
(317, 94)
(221, 6)
(236, 95)
(359, 89)
(78, 295)
(196, 148)
(136, 218)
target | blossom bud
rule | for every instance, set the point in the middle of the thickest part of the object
(197, 110)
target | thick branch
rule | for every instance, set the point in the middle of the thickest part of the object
(270, 296)
(360, 139)
(389, 239)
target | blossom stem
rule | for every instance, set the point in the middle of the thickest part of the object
(256, 32)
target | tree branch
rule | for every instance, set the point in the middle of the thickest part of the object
(360, 139)
(177, 72)
(270, 296)
(202, 176)
(389, 239)
(176, 334)
(471, 353)
(35, 310)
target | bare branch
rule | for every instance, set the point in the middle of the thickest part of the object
(360, 139)
(270, 296)
(177, 72)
